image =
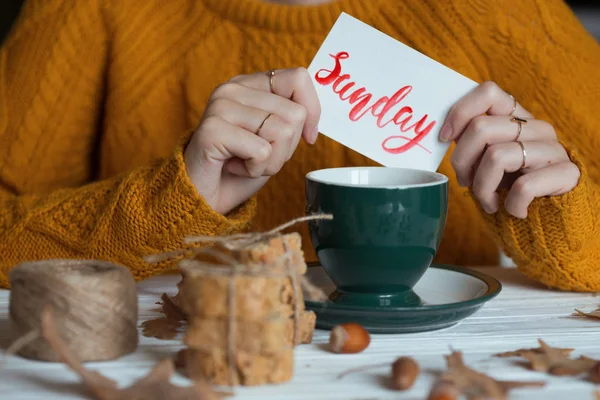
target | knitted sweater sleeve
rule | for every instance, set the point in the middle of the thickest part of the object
(143, 211)
(542, 55)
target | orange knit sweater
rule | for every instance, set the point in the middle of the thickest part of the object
(97, 95)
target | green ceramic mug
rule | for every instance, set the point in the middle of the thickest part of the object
(386, 228)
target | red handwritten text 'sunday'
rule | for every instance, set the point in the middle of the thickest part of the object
(343, 85)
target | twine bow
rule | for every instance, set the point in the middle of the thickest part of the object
(232, 242)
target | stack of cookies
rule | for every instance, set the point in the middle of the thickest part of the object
(246, 316)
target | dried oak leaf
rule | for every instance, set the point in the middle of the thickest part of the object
(168, 326)
(537, 350)
(556, 362)
(161, 328)
(593, 314)
(155, 385)
(171, 309)
(473, 384)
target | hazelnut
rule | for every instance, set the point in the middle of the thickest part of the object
(404, 373)
(349, 338)
(444, 391)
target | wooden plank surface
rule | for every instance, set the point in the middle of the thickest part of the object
(521, 314)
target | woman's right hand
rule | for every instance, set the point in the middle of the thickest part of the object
(250, 128)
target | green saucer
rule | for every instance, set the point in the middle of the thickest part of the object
(448, 293)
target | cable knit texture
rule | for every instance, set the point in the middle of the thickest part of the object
(96, 97)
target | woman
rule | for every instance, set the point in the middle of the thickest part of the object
(118, 141)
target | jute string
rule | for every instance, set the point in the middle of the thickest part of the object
(232, 326)
(233, 269)
(233, 242)
(292, 275)
(94, 302)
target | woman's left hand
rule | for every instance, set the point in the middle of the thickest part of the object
(494, 150)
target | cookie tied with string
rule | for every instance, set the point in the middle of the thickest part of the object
(241, 312)
(243, 304)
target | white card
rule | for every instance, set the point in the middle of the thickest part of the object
(382, 98)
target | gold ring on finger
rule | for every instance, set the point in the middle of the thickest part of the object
(514, 104)
(271, 75)
(524, 154)
(261, 125)
(520, 122)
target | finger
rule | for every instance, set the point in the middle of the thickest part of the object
(246, 117)
(484, 131)
(506, 158)
(487, 98)
(281, 137)
(281, 134)
(237, 167)
(294, 84)
(221, 141)
(286, 109)
(553, 180)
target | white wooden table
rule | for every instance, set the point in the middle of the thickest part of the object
(522, 313)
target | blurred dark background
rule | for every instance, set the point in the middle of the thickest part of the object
(588, 12)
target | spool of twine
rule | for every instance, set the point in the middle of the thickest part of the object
(95, 308)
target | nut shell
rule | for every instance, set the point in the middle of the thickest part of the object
(405, 371)
(349, 338)
(444, 391)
